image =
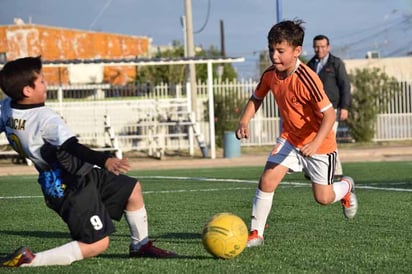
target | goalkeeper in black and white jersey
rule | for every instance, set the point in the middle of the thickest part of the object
(86, 188)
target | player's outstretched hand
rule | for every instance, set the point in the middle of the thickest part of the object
(242, 131)
(117, 166)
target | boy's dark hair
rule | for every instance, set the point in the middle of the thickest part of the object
(290, 31)
(321, 37)
(19, 73)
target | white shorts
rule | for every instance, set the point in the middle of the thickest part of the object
(319, 167)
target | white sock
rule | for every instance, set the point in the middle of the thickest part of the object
(341, 189)
(262, 205)
(137, 221)
(61, 255)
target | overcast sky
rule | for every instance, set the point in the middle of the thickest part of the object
(354, 26)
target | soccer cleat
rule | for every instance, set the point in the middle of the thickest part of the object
(23, 255)
(148, 250)
(254, 239)
(349, 202)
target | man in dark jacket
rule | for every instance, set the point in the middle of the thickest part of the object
(332, 72)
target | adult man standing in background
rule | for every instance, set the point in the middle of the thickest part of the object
(332, 72)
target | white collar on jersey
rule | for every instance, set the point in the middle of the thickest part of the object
(298, 62)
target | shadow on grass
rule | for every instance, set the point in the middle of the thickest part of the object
(180, 237)
(179, 256)
(56, 234)
(38, 234)
(168, 237)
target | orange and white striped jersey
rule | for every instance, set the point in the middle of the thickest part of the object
(301, 100)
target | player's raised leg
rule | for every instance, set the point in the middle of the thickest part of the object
(349, 201)
(343, 191)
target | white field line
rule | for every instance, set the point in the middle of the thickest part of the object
(202, 179)
(281, 184)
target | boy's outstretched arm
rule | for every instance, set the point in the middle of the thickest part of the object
(249, 111)
(99, 158)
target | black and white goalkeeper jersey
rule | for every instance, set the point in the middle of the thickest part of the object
(29, 127)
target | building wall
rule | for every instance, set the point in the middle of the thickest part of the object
(53, 43)
(398, 67)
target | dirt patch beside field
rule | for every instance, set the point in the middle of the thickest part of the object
(249, 157)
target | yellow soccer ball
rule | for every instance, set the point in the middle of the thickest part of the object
(225, 235)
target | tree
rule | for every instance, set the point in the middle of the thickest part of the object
(229, 72)
(264, 60)
(171, 74)
(175, 74)
(227, 109)
(371, 92)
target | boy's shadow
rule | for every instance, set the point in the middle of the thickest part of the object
(180, 237)
(37, 234)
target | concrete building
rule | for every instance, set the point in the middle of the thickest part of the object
(52, 43)
(398, 67)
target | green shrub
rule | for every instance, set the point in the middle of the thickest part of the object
(227, 110)
(371, 91)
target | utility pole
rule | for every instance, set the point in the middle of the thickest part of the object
(191, 76)
(183, 21)
(278, 10)
(222, 39)
(278, 18)
(220, 67)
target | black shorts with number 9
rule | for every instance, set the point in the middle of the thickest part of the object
(90, 204)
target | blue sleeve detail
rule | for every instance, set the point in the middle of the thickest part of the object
(51, 183)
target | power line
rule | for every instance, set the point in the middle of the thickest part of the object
(207, 19)
(374, 34)
(100, 13)
(380, 39)
(400, 49)
(368, 29)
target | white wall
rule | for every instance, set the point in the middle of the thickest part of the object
(398, 67)
(85, 73)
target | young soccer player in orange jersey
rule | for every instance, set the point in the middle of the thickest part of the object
(306, 140)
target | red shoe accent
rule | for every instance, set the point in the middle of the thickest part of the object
(23, 255)
(253, 235)
(150, 251)
(345, 201)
